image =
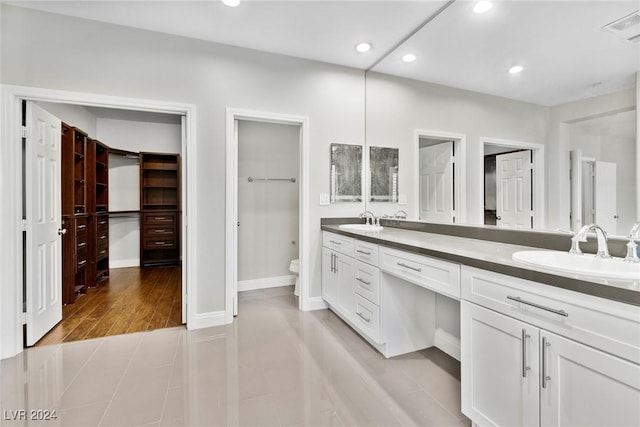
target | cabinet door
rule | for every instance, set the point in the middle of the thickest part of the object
(499, 368)
(329, 277)
(346, 279)
(587, 387)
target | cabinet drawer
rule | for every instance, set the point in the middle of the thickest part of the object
(367, 318)
(102, 253)
(366, 282)
(159, 243)
(364, 251)
(159, 218)
(439, 276)
(160, 230)
(338, 243)
(102, 225)
(608, 325)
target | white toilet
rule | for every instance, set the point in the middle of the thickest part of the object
(294, 267)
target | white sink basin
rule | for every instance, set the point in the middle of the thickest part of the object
(586, 264)
(361, 227)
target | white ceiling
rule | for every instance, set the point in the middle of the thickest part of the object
(566, 54)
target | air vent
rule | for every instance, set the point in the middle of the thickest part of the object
(626, 28)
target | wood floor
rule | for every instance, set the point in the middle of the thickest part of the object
(131, 300)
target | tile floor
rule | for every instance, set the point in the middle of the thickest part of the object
(274, 366)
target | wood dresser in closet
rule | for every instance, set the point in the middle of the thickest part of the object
(85, 182)
(160, 209)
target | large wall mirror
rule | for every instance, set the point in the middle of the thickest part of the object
(576, 90)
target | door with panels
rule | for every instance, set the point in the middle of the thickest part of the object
(513, 190)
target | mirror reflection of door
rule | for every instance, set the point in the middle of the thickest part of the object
(508, 187)
(436, 191)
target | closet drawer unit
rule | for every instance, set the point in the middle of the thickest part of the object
(81, 229)
(367, 318)
(439, 276)
(338, 243)
(366, 283)
(605, 324)
(102, 253)
(161, 218)
(159, 243)
(102, 224)
(366, 252)
(159, 230)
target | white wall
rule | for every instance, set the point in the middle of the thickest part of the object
(141, 64)
(135, 135)
(268, 212)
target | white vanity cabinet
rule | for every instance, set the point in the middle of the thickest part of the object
(534, 355)
(338, 273)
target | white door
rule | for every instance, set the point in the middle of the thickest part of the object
(513, 190)
(499, 368)
(575, 177)
(587, 387)
(44, 221)
(436, 183)
(605, 196)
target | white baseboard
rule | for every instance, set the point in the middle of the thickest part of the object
(124, 263)
(447, 343)
(207, 320)
(314, 303)
(267, 282)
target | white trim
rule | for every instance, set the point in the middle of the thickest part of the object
(207, 320)
(460, 176)
(11, 187)
(539, 216)
(316, 303)
(267, 282)
(124, 263)
(447, 342)
(231, 263)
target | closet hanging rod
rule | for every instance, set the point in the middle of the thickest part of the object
(251, 179)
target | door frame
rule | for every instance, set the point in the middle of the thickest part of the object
(460, 171)
(538, 192)
(11, 169)
(231, 243)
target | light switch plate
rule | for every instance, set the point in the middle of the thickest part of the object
(324, 199)
(402, 199)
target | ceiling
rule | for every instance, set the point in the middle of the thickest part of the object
(565, 53)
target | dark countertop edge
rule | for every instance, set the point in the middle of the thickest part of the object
(626, 296)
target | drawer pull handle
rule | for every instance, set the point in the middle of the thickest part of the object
(410, 267)
(159, 218)
(160, 243)
(525, 367)
(104, 251)
(335, 243)
(363, 252)
(541, 307)
(362, 316)
(102, 222)
(81, 263)
(103, 237)
(363, 281)
(545, 377)
(160, 231)
(82, 227)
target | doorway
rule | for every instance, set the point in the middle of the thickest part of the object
(14, 314)
(512, 184)
(301, 123)
(440, 164)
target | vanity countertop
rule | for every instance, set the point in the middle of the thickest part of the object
(496, 257)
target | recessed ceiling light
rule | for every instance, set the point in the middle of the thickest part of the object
(515, 69)
(363, 47)
(231, 3)
(482, 6)
(409, 57)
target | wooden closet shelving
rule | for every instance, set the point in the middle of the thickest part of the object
(160, 207)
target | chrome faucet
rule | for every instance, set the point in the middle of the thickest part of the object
(632, 246)
(400, 215)
(581, 236)
(368, 215)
